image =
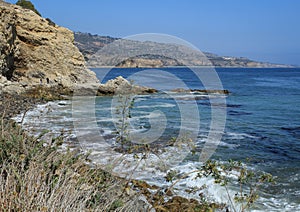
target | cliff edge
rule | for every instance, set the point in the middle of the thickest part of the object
(35, 51)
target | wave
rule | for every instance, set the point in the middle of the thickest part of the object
(239, 136)
(165, 105)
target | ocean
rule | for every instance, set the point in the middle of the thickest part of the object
(262, 123)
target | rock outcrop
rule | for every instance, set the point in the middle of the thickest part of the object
(138, 62)
(120, 85)
(34, 51)
(151, 61)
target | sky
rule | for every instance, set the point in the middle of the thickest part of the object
(262, 30)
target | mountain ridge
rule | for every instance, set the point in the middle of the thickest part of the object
(160, 54)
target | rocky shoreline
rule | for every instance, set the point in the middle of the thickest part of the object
(40, 63)
(11, 105)
(152, 197)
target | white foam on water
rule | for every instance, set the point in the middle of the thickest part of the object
(165, 105)
(231, 146)
(190, 97)
(103, 109)
(275, 204)
(239, 136)
(105, 119)
(52, 116)
(153, 169)
(203, 139)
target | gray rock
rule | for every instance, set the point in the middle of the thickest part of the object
(122, 86)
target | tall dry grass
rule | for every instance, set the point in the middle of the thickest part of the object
(36, 177)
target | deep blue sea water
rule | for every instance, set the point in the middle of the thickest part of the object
(262, 121)
(264, 104)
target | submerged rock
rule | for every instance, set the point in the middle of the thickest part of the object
(206, 91)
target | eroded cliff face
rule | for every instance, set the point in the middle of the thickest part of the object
(33, 51)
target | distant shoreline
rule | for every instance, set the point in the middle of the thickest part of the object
(156, 54)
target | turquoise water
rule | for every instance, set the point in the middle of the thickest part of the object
(263, 122)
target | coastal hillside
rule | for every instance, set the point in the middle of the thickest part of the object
(34, 50)
(162, 54)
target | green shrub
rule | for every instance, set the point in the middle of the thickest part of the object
(27, 5)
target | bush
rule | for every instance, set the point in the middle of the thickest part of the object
(27, 5)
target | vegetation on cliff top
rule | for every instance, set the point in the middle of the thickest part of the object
(27, 5)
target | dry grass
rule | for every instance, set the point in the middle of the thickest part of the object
(35, 177)
(38, 177)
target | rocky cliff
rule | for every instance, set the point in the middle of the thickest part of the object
(33, 50)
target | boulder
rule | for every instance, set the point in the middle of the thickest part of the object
(120, 85)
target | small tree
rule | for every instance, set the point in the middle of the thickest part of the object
(125, 103)
(27, 5)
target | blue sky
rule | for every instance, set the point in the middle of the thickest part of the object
(263, 30)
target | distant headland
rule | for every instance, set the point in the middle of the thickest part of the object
(90, 46)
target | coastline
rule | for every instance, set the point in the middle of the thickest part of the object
(240, 136)
(14, 104)
(136, 194)
(45, 169)
(33, 149)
